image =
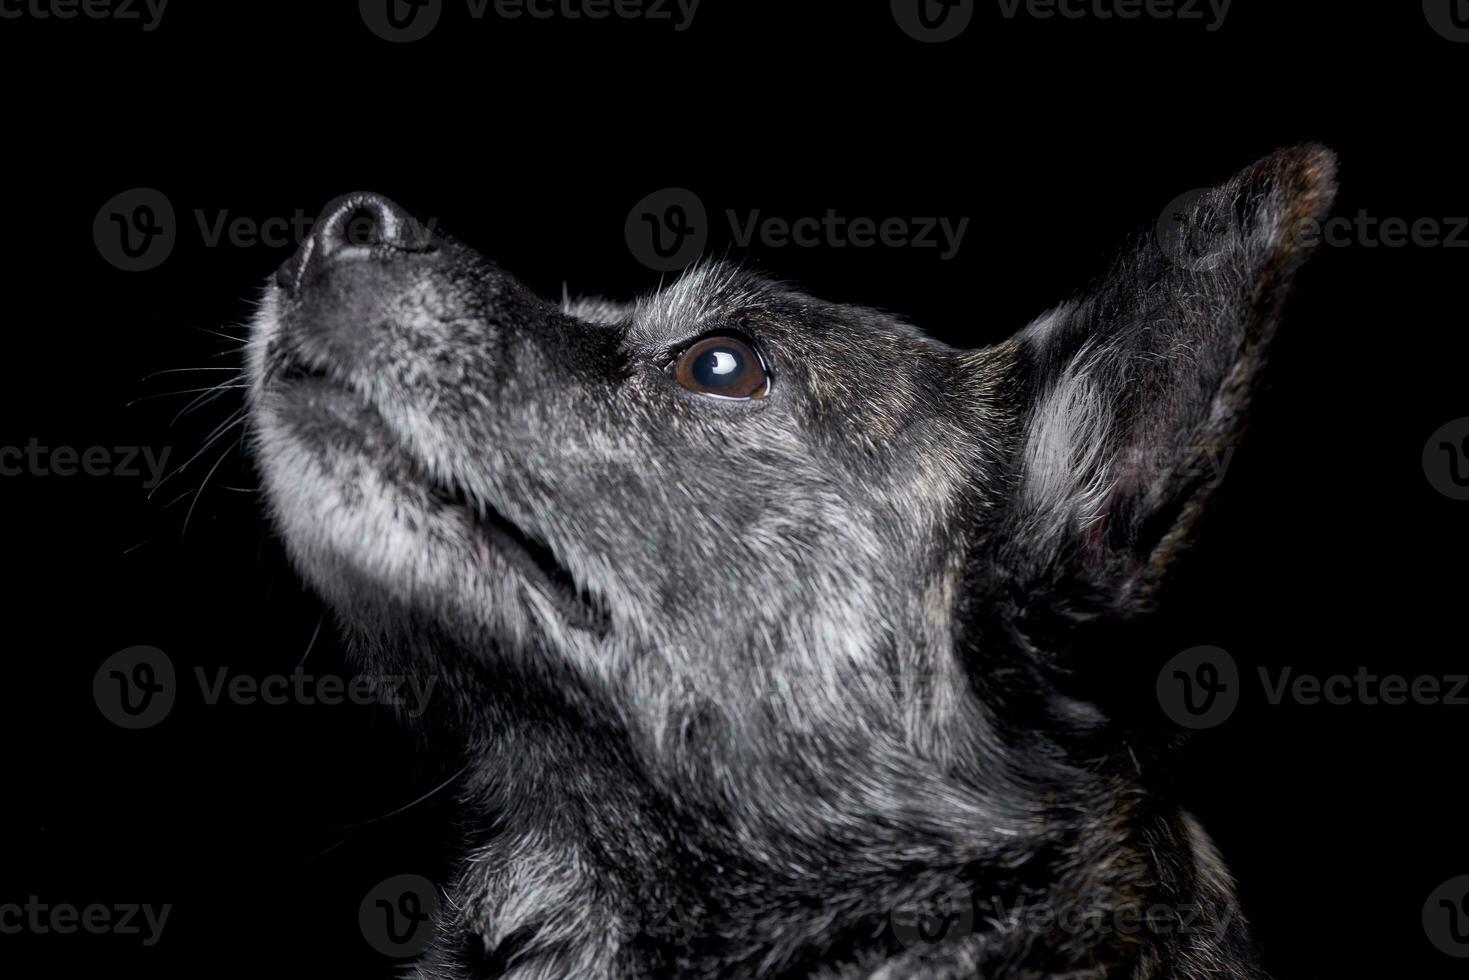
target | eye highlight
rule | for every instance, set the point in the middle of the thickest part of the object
(724, 367)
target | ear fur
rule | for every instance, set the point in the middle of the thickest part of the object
(1138, 389)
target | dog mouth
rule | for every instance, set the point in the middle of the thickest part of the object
(531, 558)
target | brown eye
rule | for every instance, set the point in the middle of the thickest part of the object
(725, 367)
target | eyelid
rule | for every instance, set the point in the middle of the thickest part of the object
(671, 354)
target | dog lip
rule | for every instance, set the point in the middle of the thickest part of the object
(532, 557)
(296, 370)
(288, 364)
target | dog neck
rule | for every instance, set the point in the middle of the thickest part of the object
(586, 856)
(590, 868)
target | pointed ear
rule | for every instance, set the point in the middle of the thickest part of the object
(1137, 390)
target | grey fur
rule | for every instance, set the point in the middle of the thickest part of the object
(817, 657)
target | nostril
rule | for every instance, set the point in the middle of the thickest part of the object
(370, 220)
(362, 226)
(354, 220)
(351, 222)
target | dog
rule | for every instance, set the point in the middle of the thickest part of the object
(776, 634)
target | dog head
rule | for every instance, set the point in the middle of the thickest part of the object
(767, 542)
(730, 489)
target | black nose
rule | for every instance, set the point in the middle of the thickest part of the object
(351, 226)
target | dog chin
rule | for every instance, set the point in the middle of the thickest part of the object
(356, 509)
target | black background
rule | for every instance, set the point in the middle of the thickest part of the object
(532, 140)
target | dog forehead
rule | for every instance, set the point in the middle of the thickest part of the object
(715, 296)
(707, 296)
